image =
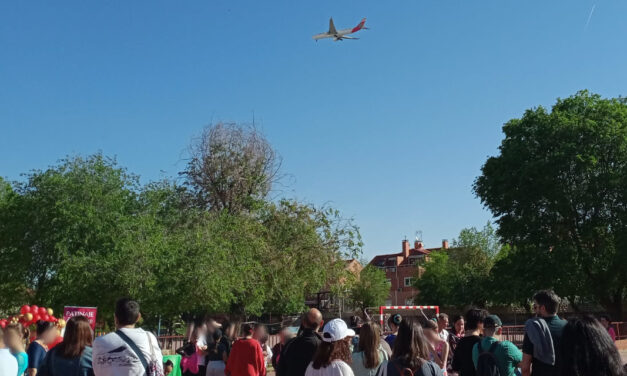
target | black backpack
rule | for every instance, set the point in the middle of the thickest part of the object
(486, 363)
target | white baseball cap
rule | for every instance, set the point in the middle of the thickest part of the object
(336, 330)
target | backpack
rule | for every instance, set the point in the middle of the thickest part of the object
(486, 363)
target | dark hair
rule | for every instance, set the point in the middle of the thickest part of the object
(43, 326)
(410, 346)
(456, 318)
(126, 311)
(77, 336)
(330, 351)
(395, 319)
(248, 329)
(442, 316)
(605, 317)
(168, 363)
(474, 317)
(369, 341)
(587, 349)
(548, 299)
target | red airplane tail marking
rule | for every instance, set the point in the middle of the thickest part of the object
(360, 26)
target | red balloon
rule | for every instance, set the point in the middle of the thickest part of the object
(34, 309)
(53, 319)
(25, 309)
(45, 317)
(42, 311)
(36, 317)
(3, 324)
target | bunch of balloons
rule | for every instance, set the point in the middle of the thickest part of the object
(29, 315)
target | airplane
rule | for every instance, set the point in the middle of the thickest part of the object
(340, 34)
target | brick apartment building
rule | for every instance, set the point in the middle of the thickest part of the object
(401, 269)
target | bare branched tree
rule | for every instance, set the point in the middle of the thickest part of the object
(232, 167)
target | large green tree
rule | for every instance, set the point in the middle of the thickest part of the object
(558, 187)
(371, 289)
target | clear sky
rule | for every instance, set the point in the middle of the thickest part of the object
(391, 129)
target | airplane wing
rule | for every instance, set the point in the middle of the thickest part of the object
(347, 37)
(332, 27)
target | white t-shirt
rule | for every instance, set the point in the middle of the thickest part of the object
(8, 363)
(336, 368)
(444, 335)
(202, 341)
(111, 356)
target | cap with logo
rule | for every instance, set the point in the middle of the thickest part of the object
(492, 321)
(336, 330)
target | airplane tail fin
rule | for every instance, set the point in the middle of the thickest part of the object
(360, 26)
(332, 29)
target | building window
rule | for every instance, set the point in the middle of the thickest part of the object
(392, 269)
(409, 301)
(409, 281)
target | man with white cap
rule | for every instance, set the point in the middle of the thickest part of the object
(334, 352)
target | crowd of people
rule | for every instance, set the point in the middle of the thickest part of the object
(471, 345)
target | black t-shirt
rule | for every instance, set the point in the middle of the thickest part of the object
(298, 353)
(462, 359)
(556, 327)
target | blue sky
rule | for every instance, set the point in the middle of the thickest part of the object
(391, 129)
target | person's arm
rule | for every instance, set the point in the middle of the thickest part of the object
(526, 365)
(445, 350)
(261, 361)
(527, 349)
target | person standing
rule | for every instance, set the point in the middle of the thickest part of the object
(411, 353)
(370, 354)
(73, 355)
(8, 363)
(334, 355)
(216, 355)
(587, 350)
(46, 334)
(506, 355)
(299, 352)
(393, 322)
(14, 338)
(129, 351)
(462, 359)
(284, 336)
(543, 335)
(246, 357)
(607, 324)
(442, 325)
(438, 347)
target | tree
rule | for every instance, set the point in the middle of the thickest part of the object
(459, 276)
(232, 168)
(371, 290)
(558, 187)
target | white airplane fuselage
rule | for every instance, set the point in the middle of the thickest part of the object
(339, 34)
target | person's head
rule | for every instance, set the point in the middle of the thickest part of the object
(587, 349)
(605, 321)
(442, 321)
(46, 332)
(260, 332)
(546, 303)
(285, 335)
(394, 321)
(168, 367)
(78, 335)
(411, 347)
(248, 330)
(474, 319)
(312, 319)
(230, 330)
(335, 344)
(458, 324)
(126, 312)
(430, 330)
(369, 340)
(492, 326)
(14, 336)
(212, 325)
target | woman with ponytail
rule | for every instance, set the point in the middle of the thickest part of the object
(246, 358)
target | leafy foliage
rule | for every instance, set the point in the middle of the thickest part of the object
(557, 189)
(371, 290)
